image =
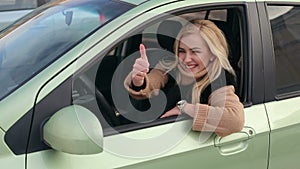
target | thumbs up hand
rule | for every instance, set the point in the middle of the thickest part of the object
(140, 68)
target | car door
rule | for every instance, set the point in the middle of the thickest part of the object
(166, 143)
(281, 64)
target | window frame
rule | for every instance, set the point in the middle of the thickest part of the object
(245, 51)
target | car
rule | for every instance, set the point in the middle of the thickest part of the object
(63, 102)
(11, 10)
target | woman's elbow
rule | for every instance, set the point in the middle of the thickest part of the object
(235, 125)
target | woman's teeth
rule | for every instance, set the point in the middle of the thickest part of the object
(189, 67)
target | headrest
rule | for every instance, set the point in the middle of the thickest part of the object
(223, 26)
(167, 32)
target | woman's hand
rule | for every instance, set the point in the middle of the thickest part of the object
(188, 109)
(140, 68)
(173, 112)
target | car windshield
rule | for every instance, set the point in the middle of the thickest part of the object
(35, 41)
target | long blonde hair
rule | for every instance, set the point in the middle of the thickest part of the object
(218, 46)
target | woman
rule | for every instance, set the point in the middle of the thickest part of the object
(204, 75)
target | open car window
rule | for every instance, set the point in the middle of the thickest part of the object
(106, 76)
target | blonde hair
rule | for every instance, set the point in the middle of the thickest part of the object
(217, 44)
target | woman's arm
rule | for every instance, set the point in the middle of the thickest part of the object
(223, 115)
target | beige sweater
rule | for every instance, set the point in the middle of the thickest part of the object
(224, 113)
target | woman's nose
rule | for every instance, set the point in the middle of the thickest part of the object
(188, 57)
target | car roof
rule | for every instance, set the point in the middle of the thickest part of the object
(282, 1)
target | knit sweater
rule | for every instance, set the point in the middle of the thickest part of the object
(219, 110)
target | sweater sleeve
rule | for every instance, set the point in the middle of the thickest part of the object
(154, 81)
(223, 115)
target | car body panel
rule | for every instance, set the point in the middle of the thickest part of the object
(284, 119)
(189, 150)
(278, 1)
(283, 113)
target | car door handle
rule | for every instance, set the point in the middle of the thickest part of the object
(234, 143)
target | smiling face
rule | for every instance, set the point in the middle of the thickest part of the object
(194, 54)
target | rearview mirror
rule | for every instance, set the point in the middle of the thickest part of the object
(75, 130)
(68, 17)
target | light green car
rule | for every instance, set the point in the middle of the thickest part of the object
(63, 104)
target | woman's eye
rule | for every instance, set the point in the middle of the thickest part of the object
(181, 51)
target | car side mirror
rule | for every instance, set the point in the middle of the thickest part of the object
(75, 130)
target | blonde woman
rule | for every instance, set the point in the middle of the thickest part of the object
(204, 75)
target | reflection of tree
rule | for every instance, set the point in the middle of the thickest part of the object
(286, 39)
(276, 11)
(42, 2)
(32, 15)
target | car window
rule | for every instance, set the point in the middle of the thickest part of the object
(58, 29)
(285, 26)
(220, 15)
(109, 72)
